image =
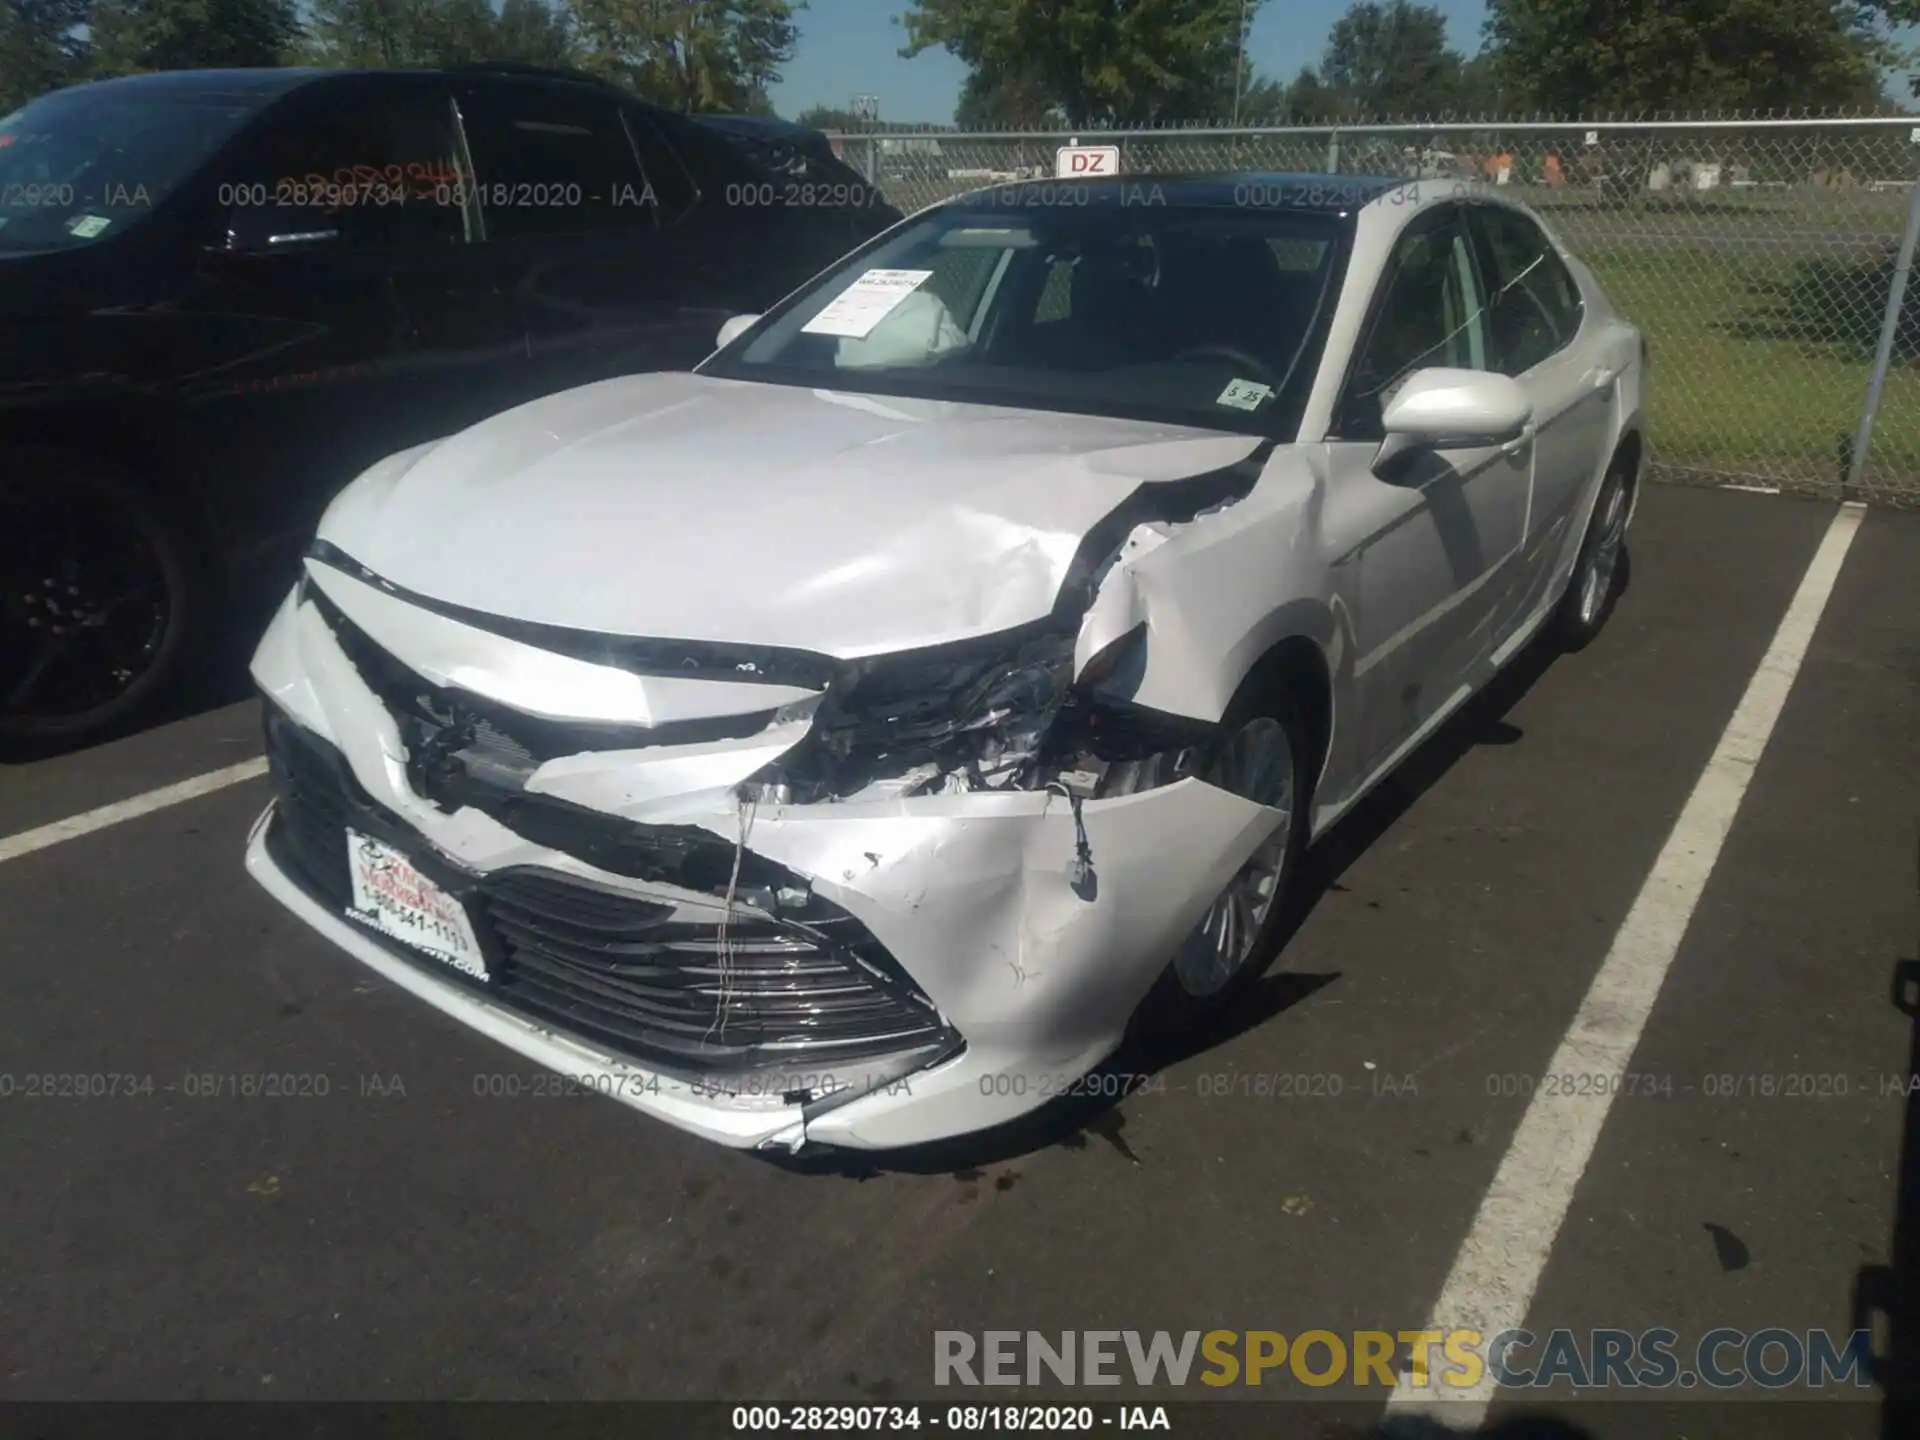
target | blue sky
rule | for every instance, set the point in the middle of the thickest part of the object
(850, 47)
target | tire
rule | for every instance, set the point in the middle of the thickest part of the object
(1595, 583)
(102, 592)
(1201, 981)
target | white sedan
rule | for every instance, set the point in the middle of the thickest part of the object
(845, 743)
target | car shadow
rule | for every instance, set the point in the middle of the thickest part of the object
(1095, 1111)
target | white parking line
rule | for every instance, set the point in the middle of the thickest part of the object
(1498, 1268)
(74, 826)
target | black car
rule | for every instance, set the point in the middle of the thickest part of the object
(796, 150)
(796, 166)
(223, 294)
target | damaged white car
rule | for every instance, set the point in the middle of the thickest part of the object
(842, 744)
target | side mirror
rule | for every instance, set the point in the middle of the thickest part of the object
(1441, 409)
(270, 229)
(734, 329)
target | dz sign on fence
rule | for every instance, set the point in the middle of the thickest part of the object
(1086, 160)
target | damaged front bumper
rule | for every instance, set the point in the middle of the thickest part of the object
(867, 974)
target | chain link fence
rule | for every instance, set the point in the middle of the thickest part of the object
(1758, 256)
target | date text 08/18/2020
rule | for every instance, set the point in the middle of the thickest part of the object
(960, 1419)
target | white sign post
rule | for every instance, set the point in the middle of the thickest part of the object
(1071, 160)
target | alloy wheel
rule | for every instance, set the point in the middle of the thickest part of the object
(84, 607)
(1603, 562)
(1256, 764)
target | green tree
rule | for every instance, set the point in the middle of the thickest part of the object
(437, 32)
(1308, 101)
(1264, 101)
(41, 48)
(365, 32)
(1017, 101)
(716, 55)
(1580, 56)
(533, 33)
(1391, 58)
(827, 117)
(457, 32)
(1098, 62)
(403, 33)
(1901, 12)
(135, 35)
(1482, 89)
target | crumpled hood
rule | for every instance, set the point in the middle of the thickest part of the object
(688, 507)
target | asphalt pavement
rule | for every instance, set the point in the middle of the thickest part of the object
(1315, 1166)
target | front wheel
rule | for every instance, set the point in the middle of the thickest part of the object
(1260, 757)
(99, 590)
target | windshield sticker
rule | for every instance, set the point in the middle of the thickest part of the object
(865, 303)
(88, 226)
(1245, 394)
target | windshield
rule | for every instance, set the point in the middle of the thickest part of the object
(81, 164)
(1198, 315)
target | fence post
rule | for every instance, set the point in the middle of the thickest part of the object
(1883, 356)
(1333, 152)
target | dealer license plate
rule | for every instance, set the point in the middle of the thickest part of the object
(393, 897)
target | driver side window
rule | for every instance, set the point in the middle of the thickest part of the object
(379, 164)
(1430, 311)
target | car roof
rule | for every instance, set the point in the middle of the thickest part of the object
(282, 80)
(209, 82)
(1296, 190)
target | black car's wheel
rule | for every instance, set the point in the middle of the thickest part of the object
(1262, 755)
(99, 593)
(1603, 559)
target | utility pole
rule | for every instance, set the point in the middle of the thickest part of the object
(866, 112)
(1239, 61)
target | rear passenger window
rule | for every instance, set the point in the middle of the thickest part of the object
(1297, 255)
(669, 167)
(552, 160)
(1534, 306)
(380, 162)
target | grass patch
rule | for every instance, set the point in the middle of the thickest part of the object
(1760, 364)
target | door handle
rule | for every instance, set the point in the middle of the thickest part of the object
(1602, 378)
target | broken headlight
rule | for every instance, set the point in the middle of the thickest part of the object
(963, 717)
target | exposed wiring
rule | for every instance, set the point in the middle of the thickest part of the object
(723, 941)
(1080, 873)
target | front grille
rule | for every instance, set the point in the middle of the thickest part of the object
(615, 969)
(313, 793)
(599, 962)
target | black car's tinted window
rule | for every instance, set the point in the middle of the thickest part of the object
(769, 157)
(381, 162)
(664, 158)
(1430, 312)
(81, 164)
(800, 167)
(1535, 305)
(552, 160)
